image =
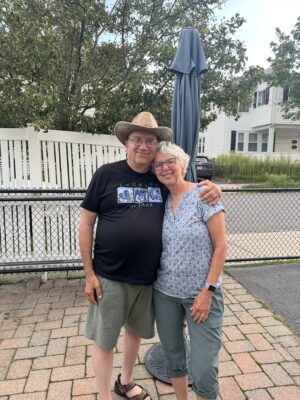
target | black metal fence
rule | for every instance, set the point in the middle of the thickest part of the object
(39, 228)
(262, 224)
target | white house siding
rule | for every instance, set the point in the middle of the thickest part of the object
(270, 114)
(262, 115)
(241, 125)
(215, 137)
(280, 120)
(263, 119)
(284, 138)
(218, 134)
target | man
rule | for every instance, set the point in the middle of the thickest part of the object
(129, 203)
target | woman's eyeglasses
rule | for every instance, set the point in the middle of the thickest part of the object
(159, 164)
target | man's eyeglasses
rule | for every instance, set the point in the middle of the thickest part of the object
(157, 166)
(137, 141)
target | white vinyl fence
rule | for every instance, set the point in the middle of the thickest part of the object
(33, 229)
(53, 159)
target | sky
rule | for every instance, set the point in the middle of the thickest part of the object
(262, 17)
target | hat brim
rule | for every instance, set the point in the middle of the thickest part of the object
(123, 129)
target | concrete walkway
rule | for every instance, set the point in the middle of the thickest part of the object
(44, 354)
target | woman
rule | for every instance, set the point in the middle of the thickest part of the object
(189, 281)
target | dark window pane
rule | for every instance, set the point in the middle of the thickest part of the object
(233, 140)
(267, 95)
(252, 147)
(264, 147)
(254, 99)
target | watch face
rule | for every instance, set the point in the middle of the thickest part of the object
(211, 288)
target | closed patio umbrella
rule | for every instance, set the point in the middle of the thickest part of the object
(188, 66)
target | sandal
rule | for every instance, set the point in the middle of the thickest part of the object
(121, 390)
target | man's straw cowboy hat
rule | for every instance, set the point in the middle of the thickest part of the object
(144, 121)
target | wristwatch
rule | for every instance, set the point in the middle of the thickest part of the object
(209, 287)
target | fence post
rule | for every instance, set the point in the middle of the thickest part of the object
(35, 164)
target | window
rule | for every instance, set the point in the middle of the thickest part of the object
(240, 145)
(262, 97)
(252, 145)
(267, 95)
(264, 144)
(254, 99)
(201, 145)
(285, 94)
(233, 141)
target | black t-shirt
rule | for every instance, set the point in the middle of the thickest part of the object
(130, 208)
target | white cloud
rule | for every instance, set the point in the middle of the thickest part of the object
(262, 17)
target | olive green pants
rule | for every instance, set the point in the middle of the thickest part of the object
(205, 340)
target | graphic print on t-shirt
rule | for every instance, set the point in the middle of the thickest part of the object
(139, 195)
(125, 195)
(155, 195)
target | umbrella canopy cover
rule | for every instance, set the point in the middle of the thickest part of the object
(188, 66)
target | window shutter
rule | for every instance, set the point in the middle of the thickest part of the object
(267, 95)
(254, 99)
(285, 94)
(233, 141)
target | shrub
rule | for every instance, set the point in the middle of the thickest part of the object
(245, 168)
(275, 181)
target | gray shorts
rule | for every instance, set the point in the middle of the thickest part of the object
(205, 340)
(122, 304)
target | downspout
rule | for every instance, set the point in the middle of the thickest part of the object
(272, 115)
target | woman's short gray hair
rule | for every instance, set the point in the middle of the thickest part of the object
(176, 151)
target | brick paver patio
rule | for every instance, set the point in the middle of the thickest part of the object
(44, 354)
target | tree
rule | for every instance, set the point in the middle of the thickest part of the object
(85, 64)
(286, 69)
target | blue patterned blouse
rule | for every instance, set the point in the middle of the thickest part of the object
(187, 246)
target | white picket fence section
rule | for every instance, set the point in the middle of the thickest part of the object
(34, 230)
(53, 159)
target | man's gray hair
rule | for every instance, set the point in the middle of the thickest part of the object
(176, 151)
